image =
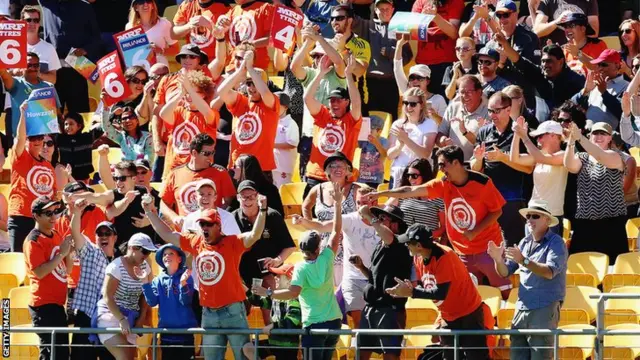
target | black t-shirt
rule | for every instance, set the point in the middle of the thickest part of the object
(274, 239)
(387, 263)
(554, 9)
(124, 222)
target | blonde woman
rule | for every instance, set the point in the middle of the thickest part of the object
(629, 36)
(413, 136)
(158, 29)
(519, 106)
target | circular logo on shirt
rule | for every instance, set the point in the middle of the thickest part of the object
(249, 128)
(187, 195)
(182, 136)
(429, 282)
(461, 215)
(210, 267)
(243, 27)
(201, 37)
(332, 139)
(60, 272)
(40, 181)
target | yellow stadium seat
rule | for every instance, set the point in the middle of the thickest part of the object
(20, 297)
(613, 42)
(5, 189)
(343, 347)
(416, 343)
(386, 117)
(578, 298)
(3, 127)
(633, 225)
(583, 343)
(93, 104)
(612, 353)
(594, 263)
(492, 297)
(143, 344)
(612, 281)
(382, 187)
(20, 316)
(291, 196)
(170, 12)
(24, 346)
(157, 186)
(628, 263)
(504, 318)
(420, 312)
(624, 308)
(573, 316)
(581, 280)
(356, 159)
(511, 300)
(277, 81)
(296, 231)
(13, 263)
(387, 169)
(7, 282)
(294, 258)
(566, 230)
(515, 280)
(623, 341)
(87, 117)
(297, 177)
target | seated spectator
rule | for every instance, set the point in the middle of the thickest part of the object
(134, 142)
(284, 315)
(120, 305)
(580, 49)
(75, 146)
(247, 167)
(552, 13)
(411, 137)
(478, 22)
(287, 139)
(488, 59)
(373, 154)
(465, 53)
(158, 29)
(172, 292)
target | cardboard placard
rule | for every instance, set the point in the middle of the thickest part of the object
(84, 66)
(283, 28)
(414, 24)
(112, 79)
(41, 114)
(13, 45)
(135, 48)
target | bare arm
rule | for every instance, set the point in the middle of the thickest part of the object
(102, 199)
(109, 293)
(608, 158)
(46, 268)
(310, 224)
(7, 79)
(169, 214)
(225, 90)
(160, 227)
(21, 136)
(267, 96)
(336, 233)
(450, 28)
(398, 68)
(309, 201)
(314, 106)
(571, 161)
(167, 111)
(543, 27)
(405, 192)
(104, 169)
(594, 21)
(297, 63)
(516, 157)
(354, 94)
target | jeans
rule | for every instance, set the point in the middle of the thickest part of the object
(321, 347)
(51, 315)
(230, 316)
(158, 169)
(19, 227)
(304, 149)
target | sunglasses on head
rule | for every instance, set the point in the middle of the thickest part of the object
(532, 216)
(416, 77)
(32, 20)
(338, 18)
(137, 81)
(503, 15)
(48, 143)
(485, 62)
(413, 176)
(104, 233)
(410, 103)
(121, 178)
(626, 31)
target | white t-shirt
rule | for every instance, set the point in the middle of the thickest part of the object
(417, 133)
(229, 227)
(47, 54)
(160, 34)
(359, 239)
(287, 133)
(438, 103)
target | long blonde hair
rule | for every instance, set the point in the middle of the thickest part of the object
(134, 17)
(416, 92)
(516, 91)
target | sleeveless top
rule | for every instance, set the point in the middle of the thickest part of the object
(631, 195)
(325, 213)
(417, 211)
(129, 289)
(600, 192)
(549, 183)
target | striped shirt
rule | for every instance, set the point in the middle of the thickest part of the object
(93, 263)
(600, 191)
(422, 211)
(129, 289)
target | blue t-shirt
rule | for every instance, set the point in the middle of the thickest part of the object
(19, 93)
(371, 163)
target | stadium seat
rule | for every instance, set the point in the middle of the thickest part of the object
(625, 308)
(573, 316)
(157, 186)
(578, 298)
(504, 318)
(492, 297)
(20, 297)
(623, 341)
(5, 189)
(343, 347)
(581, 280)
(277, 81)
(297, 177)
(515, 280)
(170, 12)
(613, 42)
(416, 343)
(93, 104)
(7, 282)
(632, 227)
(87, 118)
(382, 187)
(511, 300)
(386, 117)
(296, 231)
(291, 195)
(627, 263)
(579, 347)
(420, 312)
(594, 263)
(612, 281)
(294, 258)
(566, 230)
(3, 127)
(13, 263)
(20, 316)
(24, 346)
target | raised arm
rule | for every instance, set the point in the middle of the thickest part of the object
(225, 90)
(571, 161)
(354, 94)
(160, 227)
(310, 224)
(199, 102)
(79, 241)
(608, 158)
(261, 86)
(7, 79)
(313, 105)
(104, 168)
(21, 136)
(167, 112)
(297, 63)
(336, 232)
(628, 134)
(219, 30)
(386, 235)
(249, 238)
(398, 68)
(402, 192)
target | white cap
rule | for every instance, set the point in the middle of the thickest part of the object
(206, 182)
(4, 8)
(547, 127)
(420, 70)
(142, 240)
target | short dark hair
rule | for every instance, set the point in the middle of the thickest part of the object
(451, 152)
(505, 100)
(127, 166)
(554, 50)
(32, 54)
(200, 141)
(346, 8)
(477, 85)
(75, 117)
(578, 115)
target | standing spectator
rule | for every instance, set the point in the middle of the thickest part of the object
(541, 258)
(488, 59)
(373, 154)
(251, 22)
(75, 146)
(319, 13)
(438, 51)
(465, 53)
(50, 153)
(221, 292)
(444, 279)
(194, 20)
(509, 177)
(601, 211)
(464, 116)
(552, 13)
(111, 18)
(49, 61)
(247, 167)
(335, 128)
(411, 137)
(629, 186)
(478, 21)
(158, 29)
(172, 291)
(71, 27)
(519, 106)
(580, 49)
(48, 261)
(287, 139)
(26, 162)
(134, 142)
(629, 36)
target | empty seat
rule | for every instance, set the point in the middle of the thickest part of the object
(13, 263)
(294, 258)
(594, 263)
(492, 297)
(612, 281)
(291, 195)
(578, 298)
(624, 341)
(20, 297)
(583, 343)
(420, 312)
(24, 346)
(627, 263)
(581, 280)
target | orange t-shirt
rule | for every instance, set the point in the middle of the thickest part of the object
(39, 249)
(254, 130)
(331, 135)
(180, 187)
(218, 268)
(592, 48)
(187, 124)
(30, 179)
(88, 224)
(465, 207)
(251, 22)
(463, 297)
(203, 38)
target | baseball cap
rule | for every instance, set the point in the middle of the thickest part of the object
(285, 100)
(143, 163)
(547, 127)
(340, 93)
(194, 50)
(206, 182)
(247, 185)
(417, 233)
(284, 269)
(310, 241)
(608, 55)
(143, 241)
(420, 70)
(211, 216)
(43, 203)
(108, 225)
(490, 52)
(601, 126)
(506, 5)
(76, 186)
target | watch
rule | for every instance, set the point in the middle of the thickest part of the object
(269, 292)
(526, 262)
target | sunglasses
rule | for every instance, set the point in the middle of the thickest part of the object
(32, 20)
(317, 56)
(416, 77)
(205, 224)
(103, 233)
(121, 178)
(48, 143)
(137, 81)
(338, 18)
(503, 15)
(142, 250)
(410, 103)
(564, 120)
(413, 176)
(626, 31)
(462, 49)
(128, 118)
(485, 62)
(532, 216)
(495, 111)
(571, 25)
(248, 198)
(603, 64)
(50, 213)
(33, 66)
(206, 153)
(140, 2)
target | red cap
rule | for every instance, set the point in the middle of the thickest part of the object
(284, 269)
(608, 55)
(210, 216)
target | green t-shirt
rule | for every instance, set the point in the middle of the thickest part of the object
(330, 82)
(317, 299)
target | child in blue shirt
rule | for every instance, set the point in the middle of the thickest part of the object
(373, 155)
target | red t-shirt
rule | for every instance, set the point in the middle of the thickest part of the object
(180, 187)
(39, 249)
(203, 37)
(254, 130)
(218, 268)
(592, 48)
(439, 48)
(251, 22)
(463, 297)
(331, 135)
(30, 179)
(465, 207)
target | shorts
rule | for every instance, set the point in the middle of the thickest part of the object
(353, 294)
(265, 350)
(382, 318)
(107, 320)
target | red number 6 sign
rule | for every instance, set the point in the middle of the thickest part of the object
(13, 44)
(112, 79)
